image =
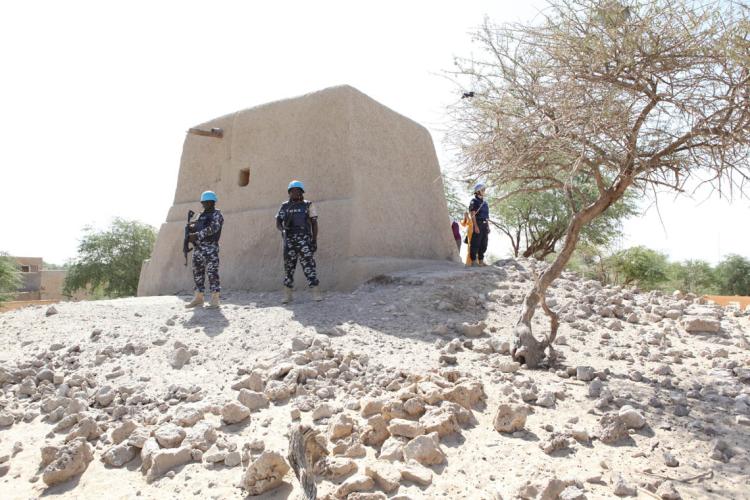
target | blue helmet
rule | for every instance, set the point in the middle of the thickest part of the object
(295, 184)
(209, 196)
(479, 186)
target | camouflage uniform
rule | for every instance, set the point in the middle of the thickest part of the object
(206, 251)
(298, 244)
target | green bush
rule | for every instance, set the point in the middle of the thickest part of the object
(110, 260)
(642, 266)
(10, 277)
(733, 275)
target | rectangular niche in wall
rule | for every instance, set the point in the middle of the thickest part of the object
(244, 177)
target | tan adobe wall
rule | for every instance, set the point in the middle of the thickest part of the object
(372, 173)
(52, 284)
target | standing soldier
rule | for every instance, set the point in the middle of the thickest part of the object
(480, 226)
(298, 222)
(204, 235)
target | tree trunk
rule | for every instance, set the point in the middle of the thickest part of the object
(526, 348)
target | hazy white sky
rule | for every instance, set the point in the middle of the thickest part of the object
(96, 98)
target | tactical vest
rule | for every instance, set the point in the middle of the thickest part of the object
(296, 217)
(204, 220)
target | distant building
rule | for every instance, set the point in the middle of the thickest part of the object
(38, 283)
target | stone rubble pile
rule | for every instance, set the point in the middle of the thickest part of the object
(385, 429)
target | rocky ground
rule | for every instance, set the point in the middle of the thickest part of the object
(404, 389)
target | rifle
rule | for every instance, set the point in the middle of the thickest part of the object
(186, 241)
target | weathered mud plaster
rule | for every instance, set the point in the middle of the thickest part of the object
(372, 173)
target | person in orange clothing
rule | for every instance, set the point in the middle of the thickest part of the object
(468, 224)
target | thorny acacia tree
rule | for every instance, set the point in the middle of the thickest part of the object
(636, 94)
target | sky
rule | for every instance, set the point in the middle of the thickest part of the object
(96, 98)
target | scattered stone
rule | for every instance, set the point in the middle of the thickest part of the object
(405, 428)
(473, 330)
(335, 467)
(123, 431)
(163, 461)
(554, 442)
(580, 434)
(701, 325)
(341, 426)
(585, 373)
(416, 473)
(386, 476)
(441, 420)
(376, 431)
(254, 382)
(622, 488)
(670, 460)
(234, 412)
(86, 428)
(49, 453)
(546, 399)
(119, 454)
(169, 435)
(632, 418)
(667, 491)
(253, 400)
(187, 415)
(425, 450)
(466, 394)
(233, 459)
(393, 449)
(507, 366)
(139, 436)
(179, 358)
(265, 473)
(71, 460)
(358, 482)
(201, 436)
(324, 410)
(214, 455)
(50, 311)
(572, 493)
(612, 429)
(510, 417)
(6, 419)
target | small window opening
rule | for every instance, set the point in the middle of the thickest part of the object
(244, 178)
(25, 269)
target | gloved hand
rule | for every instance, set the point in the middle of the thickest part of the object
(314, 246)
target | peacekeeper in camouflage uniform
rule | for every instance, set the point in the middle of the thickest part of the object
(298, 222)
(204, 235)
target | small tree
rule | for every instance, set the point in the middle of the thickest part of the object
(630, 94)
(642, 266)
(10, 277)
(733, 275)
(535, 222)
(693, 276)
(111, 259)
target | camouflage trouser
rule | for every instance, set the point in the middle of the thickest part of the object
(206, 262)
(298, 246)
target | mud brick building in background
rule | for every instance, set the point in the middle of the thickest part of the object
(38, 283)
